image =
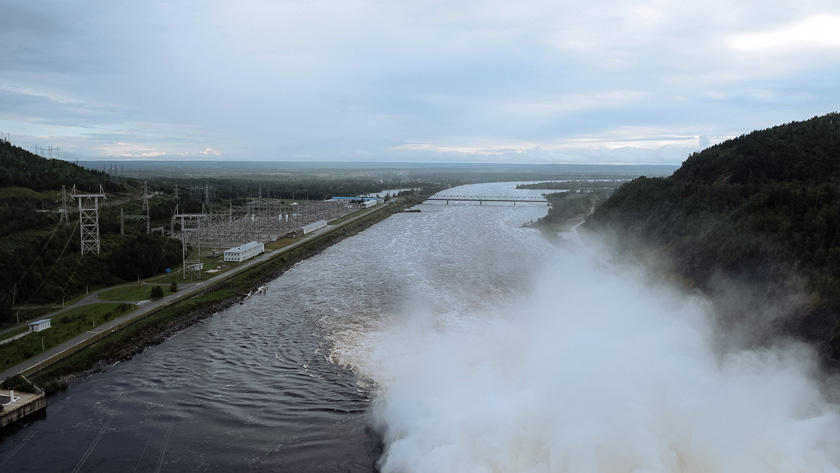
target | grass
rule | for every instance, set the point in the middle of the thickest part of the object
(30, 313)
(64, 326)
(280, 243)
(11, 334)
(351, 215)
(176, 273)
(137, 292)
(24, 192)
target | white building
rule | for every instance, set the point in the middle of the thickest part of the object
(241, 253)
(309, 228)
(361, 202)
(39, 325)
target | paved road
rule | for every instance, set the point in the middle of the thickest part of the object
(185, 289)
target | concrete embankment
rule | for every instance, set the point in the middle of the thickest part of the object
(17, 405)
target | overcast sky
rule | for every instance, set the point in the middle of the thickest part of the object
(569, 81)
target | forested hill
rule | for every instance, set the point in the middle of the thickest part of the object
(806, 151)
(40, 257)
(20, 168)
(762, 209)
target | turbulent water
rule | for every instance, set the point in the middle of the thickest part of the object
(450, 340)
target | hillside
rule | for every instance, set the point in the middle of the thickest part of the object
(20, 168)
(760, 212)
(40, 261)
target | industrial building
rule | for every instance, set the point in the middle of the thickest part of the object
(241, 253)
(361, 202)
(313, 226)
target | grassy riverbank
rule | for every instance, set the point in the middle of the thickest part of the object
(64, 327)
(163, 323)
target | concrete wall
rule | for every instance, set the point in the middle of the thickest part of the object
(7, 416)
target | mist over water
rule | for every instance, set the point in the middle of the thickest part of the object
(556, 363)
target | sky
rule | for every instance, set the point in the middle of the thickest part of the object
(530, 81)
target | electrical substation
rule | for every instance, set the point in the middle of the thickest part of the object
(261, 220)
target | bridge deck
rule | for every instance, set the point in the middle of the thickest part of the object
(488, 198)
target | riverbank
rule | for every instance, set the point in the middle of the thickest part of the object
(164, 322)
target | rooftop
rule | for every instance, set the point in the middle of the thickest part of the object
(245, 247)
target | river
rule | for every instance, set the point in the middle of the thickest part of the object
(449, 340)
(254, 386)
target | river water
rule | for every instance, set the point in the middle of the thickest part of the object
(256, 386)
(449, 340)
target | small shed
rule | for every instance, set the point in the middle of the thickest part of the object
(39, 325)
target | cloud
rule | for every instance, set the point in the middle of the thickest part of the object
(648, 145)
(329, 79)
(817, 32)
(130, 150)
(571, 103)
(210, 151)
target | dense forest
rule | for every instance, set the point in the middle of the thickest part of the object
(761, 210)
(572, 204)
(20, 168)
(40, 261)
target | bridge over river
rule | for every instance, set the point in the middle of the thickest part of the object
(488, 198)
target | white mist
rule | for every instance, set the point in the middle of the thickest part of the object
(591, 371)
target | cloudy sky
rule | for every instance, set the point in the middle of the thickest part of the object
(572, 81)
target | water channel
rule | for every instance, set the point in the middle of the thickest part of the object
(258, 386)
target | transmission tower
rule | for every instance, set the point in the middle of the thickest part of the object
(190, 224)
(89, 220)
(146, 207)
(63, 217)
(144, 216)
